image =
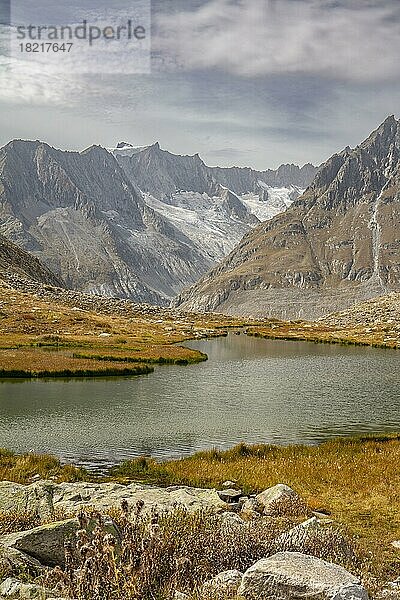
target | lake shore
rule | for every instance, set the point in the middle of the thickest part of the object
(51, 332)
(354, 481)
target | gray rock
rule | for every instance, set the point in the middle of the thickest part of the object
(274, 495)
(44, 543)
(291, 575)
(295, 538)
(13, 588)
(71, 497)
(231, 519)
(10, 588)
(313, 533)
(13, 561)
(224, 585)
(251, 508)
(230, 495)
(37, 498)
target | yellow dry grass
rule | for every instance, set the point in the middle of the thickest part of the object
(101, 343)
(315, 332)
(356, 480)
(24, 467)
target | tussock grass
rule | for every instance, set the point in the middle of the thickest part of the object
(24, 362)
(22, 468)
(169, 355)
(18, 521)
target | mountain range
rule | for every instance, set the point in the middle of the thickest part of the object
(337, 244)
(139, 223)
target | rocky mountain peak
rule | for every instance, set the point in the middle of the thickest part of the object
(336, 245)
(124, 145)
(131, 221)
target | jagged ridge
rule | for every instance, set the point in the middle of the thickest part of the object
(336, 245)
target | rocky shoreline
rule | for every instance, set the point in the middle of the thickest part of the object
(68, 511)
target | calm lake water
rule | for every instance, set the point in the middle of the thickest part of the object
(250, 390)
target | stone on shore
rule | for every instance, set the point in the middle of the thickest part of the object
(291, 576)
(273, 496)
(71, 497)
(13, 561)
(13, 588)
(295, 539)
(44, 543)
(35, 498)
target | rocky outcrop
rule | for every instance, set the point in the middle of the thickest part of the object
(291, 576)
(13, 588)
(384, 310)
(44, 498)
(71, 497)
(272, 497)
(336, 245)
(13, 561)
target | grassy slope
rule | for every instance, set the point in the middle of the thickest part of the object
(41, 338)
(375, 322)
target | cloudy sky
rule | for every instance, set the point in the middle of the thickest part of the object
(244, 82)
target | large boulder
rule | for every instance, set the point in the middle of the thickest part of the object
(250, 509)
(269, 499)
(223, 586)
(36, 498)
(71, 497)
(314, 533)
(295, 576)
(44, 543)
(295, 539)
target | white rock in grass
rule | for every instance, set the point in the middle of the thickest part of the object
(275, 494)
(292, 576)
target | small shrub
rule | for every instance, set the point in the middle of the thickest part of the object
(290, 506)
(15, 521)
(157, 553)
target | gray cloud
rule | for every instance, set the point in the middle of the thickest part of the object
(355, 40)
(332, 78)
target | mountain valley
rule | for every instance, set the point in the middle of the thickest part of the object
(138, 223)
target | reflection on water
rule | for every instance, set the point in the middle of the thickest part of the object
(250, 390)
